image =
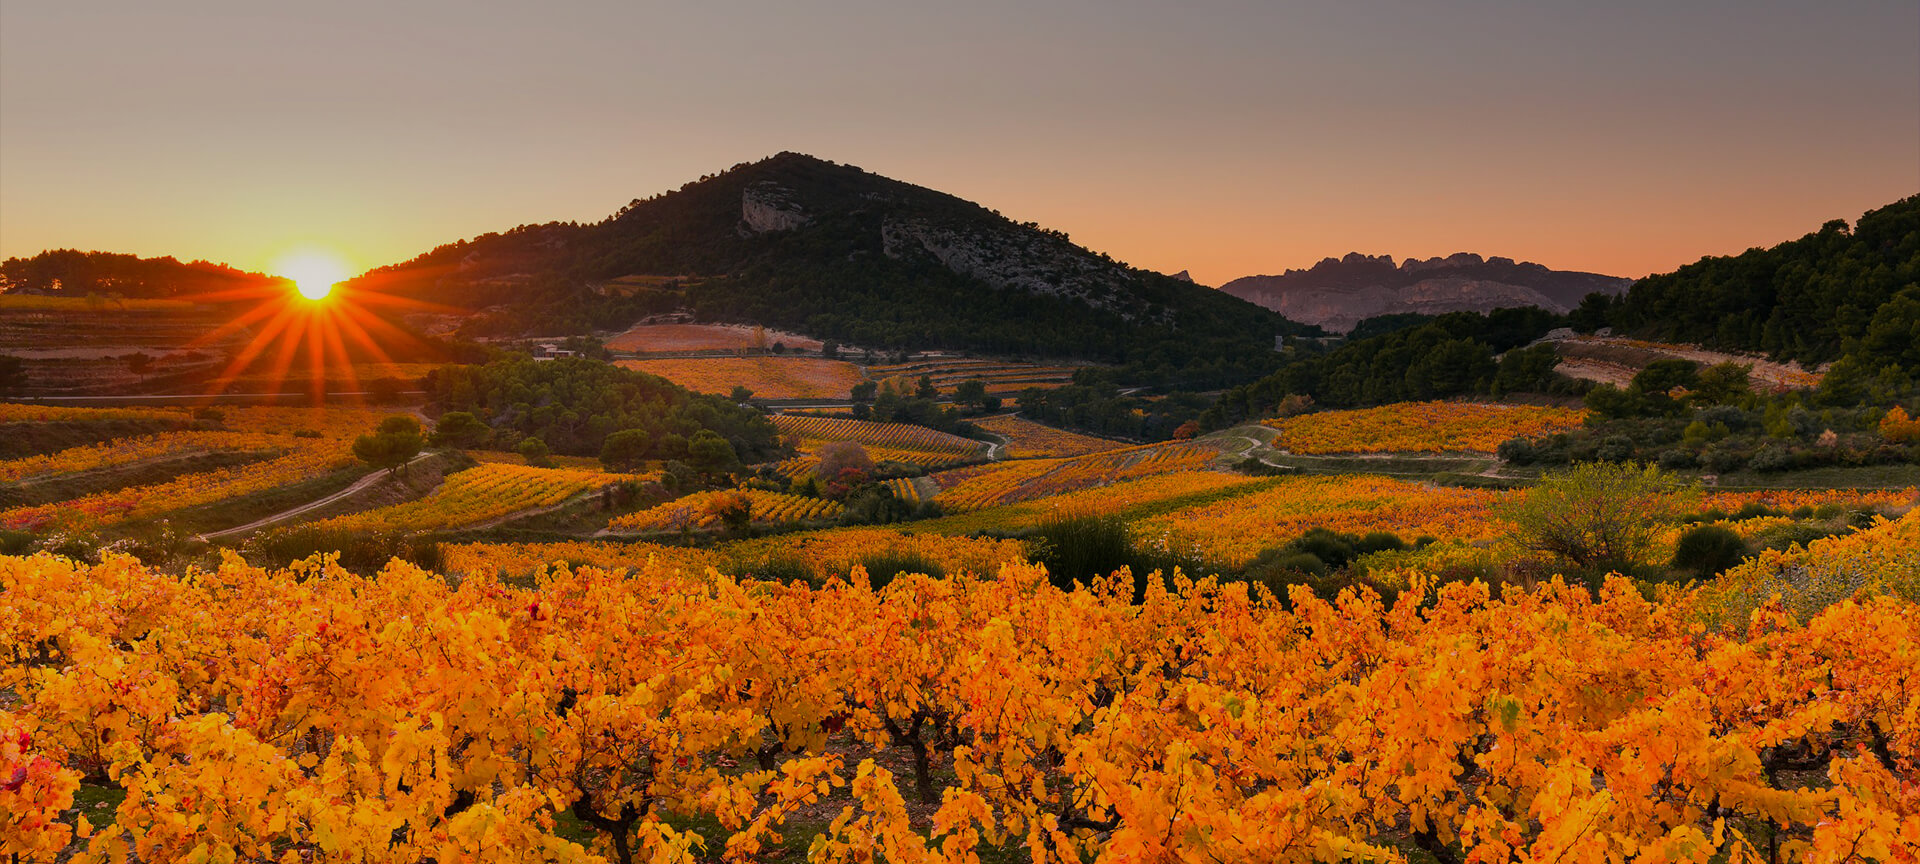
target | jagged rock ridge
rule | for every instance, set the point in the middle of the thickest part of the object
(1338, 293)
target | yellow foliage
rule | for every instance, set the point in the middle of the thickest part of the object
(698, 512)
(483, 493)
(1420, 427)
(767, 377)
(1233, 531)
(1898, 428)
(1029, 440)
(249, 714)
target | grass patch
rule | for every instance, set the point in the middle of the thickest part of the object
(1842, 477)
(1392, 466)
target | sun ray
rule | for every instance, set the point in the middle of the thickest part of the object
(260, 342)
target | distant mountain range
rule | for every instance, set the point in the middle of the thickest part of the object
(1338, 293)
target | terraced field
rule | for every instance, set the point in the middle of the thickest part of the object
(1029, 440)
(480, 494)
(701, 511)
(1000, 377)
(964, 489)
(767, 377)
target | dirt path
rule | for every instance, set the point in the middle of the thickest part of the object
(357, 486)
(1615, 359)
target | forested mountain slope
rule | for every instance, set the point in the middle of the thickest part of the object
(837, 253)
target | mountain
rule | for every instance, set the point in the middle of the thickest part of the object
(835, 252)
(1338, 293)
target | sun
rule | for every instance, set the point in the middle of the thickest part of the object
(313, 273)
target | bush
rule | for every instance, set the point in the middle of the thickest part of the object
(1380, 541)
(1615, 448)
(16, 542)
(1723, 457)
(1077, 548)
(883, 566)
(1517, 451)
(1797, 534)
(1598, 514)
(783, 567)
(1708, 550)
(534, 451)
(1677, 459)
(1773, 457)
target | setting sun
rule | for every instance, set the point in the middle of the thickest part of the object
(313, 273)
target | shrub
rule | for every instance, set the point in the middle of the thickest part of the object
(16, 542)
(1723, 457)
(534, 451)
(1598, 514)
(1517, 451)
(1708, 550)
(1080, 547)
(1615, 448)
(1331, 547)
(1898, 428)
(1773, 457)
(1677, 459)
(882, 567)
(1380, 541)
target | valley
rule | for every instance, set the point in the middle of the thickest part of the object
(890, 529)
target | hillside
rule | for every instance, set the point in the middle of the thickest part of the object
(1338, 293)
(73, 273)
(837, 253)
(1809, 299)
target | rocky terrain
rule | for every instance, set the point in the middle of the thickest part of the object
(1338, 293)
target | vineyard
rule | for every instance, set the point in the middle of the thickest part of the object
(302, 460)
(964, 489)
(1154, 492)
(999, 377)
(1233, 531)
(166, 445)
(484, 493)
(703, 511)
(275, 447)
(767, 377)
(812, 431)
(663, 716)
(1420, 427)
(17, 412)
(904, 489)
(1029, 440)
(518, 560)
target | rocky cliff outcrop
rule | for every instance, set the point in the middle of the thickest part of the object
(1034, 262)
(769, 207)
(1338, 293)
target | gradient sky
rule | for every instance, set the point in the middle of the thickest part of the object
(1224, 138)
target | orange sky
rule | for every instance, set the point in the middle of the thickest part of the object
(1225, 138)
